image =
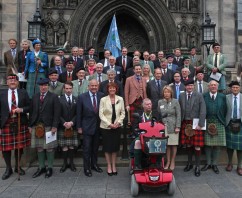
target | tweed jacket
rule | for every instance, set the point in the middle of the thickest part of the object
(77, 89)
(58, 90)
(10, 62)
(204, 87)
(95, 76)
(221, 66)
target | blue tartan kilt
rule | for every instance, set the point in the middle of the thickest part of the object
(234, 140)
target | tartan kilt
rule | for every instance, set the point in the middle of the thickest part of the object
(30, 83)
(10, 141)
(135, 107)
(63, 141)
(234, 140)
(216, 140)
(41, 142)
(196, 140)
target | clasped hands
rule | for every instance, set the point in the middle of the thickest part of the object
(114, 126)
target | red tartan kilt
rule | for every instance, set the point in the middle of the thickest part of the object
(135, 107)
(10, 141)
(196, 140)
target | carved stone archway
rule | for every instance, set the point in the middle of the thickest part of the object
(91, 16)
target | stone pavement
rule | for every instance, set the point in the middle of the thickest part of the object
(69, 184)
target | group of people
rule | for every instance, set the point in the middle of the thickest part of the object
(96, 95)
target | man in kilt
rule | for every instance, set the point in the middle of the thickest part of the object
(44, 117)
(135, 91)
(233, 126)
(215, 131)
(13, 103)
(67, 134)
(192, 106)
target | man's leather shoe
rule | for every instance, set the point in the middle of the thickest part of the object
(7, 173)
(229, 167)
(63, 168)
(88, 172)
(21, 171)
(215, 169)
(206, 167)
(239, 171)
(48, 173)
(97, 169)
(197, 171)
(73, 167)
(39, 172)
(188, 167)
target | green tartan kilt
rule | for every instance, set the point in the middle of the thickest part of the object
(216, 140)
(234, 140)
(30, 83)
(63, 141)
(41, 142)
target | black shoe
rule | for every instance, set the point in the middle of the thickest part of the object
(63, 168)
(7, 174)
(21, 171)
(73, 167)
(88, 172)
(115, 173)
(138, 168)
(110, 174)
(97, 168)
(39, 172)
(215, 169)
(197, 171)
(206, 167)
(188, 167)
(48, 173)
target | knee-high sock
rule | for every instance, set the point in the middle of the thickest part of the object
(197, 157)
(208, 151)
(50, 158)
(16, 156)
(230, 153)
(215, 154)
(239, 156)
(137, 157)
(7, 158)
(71, 155)
(65, 156)
(189, 154)
(41, 159)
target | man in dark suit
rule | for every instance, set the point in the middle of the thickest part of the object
(88, 124)
(70, 74)
(13, 103)
(186, 64)
(154, 89)
(130, 72)
(78, 62)
(170, 64)
(111, 78)
(61, 53)
(177, 87)
(105, 61)
(167, 74)
(58, 65)
(178, 59)
(44, 117)
(185, 75)
(81, 54)
(124, 61)
(91, 54)
(158, 60)
(118, 69)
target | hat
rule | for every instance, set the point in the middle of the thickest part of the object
(234, 83)
(91, 47)
(43, 81)
(186, 58)
(169, 56)
(60, 49)
(80, 68)
(36, 41)
(69, 61)
(52, 71)
(12, 76)
(215, 44)
(189, 82)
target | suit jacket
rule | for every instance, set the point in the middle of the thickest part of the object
(173, 67)
(63, 77)
(22, 60)
(50, 110)
(23, 102)
(58, 90)
(103, 88)
(87, 118)
(103, 62)
(63, 61)
(62, 69)
(106, 110)
(221, 106)
(67, 112)
(10, 61)
(198, 107)
(131, 90)
(191, 69)
(78, 64)
(222, 63)
(204, 87)
(129, 62)
(154, 95)
(94, 57)
(95, 76)
(173, 111)
(157, 63)
(229, 100)
(179, 63)
(77, 89)
(151, 64)
(168, 77)
(196, 61)
(119, 72)
(181, 88)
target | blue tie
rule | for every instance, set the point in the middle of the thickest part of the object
(177, 92)
(235, 108)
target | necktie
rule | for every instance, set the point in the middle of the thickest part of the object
(99, 78)
(75, 59)
(189, 96)
(235, 108)
(14, 105)
(58, 70)
(164, 71)
(69, 100)
(138, 79)
(212, 97)
(69, 74)
(94, 103)
(42, 98)
(177, 91)
(53, 84)
(124, 64)
(200, 87)
(158, 85)
(177, 59)
(112, 67)
(80, 82)
(216, 60)
(13, 53)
